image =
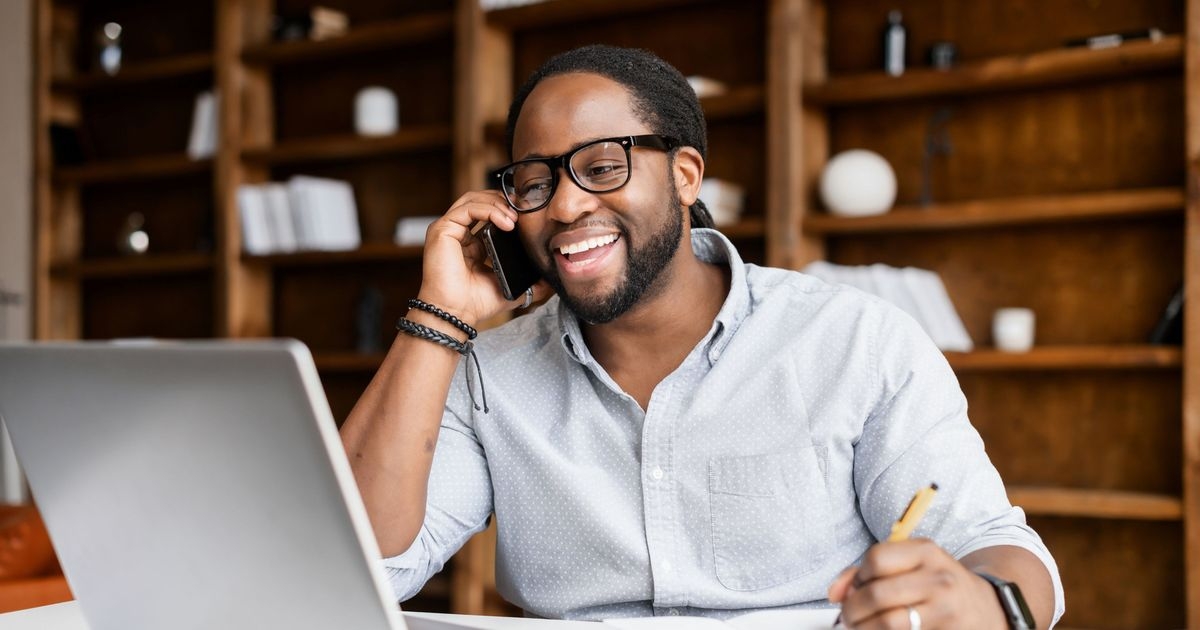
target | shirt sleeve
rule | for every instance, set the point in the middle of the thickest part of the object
(458, 503)
(918, 433)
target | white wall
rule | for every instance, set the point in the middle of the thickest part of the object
(16, 164)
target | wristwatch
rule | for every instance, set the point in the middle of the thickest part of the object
(1011, 602)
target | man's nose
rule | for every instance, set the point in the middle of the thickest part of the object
(570, 202)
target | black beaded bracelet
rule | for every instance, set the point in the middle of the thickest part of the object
(444, 316)
(465, 348)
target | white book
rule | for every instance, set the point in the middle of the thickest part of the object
(933, 302)
(252, 208)
(202, 140)
(279, 217)
(817, 619)
(330, 210)
(303, 223)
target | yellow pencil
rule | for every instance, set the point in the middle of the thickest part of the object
(913, 513)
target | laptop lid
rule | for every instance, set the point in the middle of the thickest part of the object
(194, 485)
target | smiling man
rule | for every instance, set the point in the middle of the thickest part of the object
(674, 431)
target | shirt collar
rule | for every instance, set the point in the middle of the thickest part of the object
(709, 246)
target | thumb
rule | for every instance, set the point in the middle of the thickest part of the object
(842, 585)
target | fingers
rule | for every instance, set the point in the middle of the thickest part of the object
(896, 576)
(475, 206)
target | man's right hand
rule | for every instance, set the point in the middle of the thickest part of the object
(455, 274)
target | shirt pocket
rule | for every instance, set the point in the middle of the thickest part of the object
(771, 517)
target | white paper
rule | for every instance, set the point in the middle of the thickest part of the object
(820, 619)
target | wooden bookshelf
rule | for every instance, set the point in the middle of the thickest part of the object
(1117, 204)
(1103, 504)
(368, 253)
(136, 266)
(1040, 69)
(742, 100)
(375, 37)
(348, 362)
(749, 227)
(548, 14)
(132, 169)
(144, 72)
(351, 147)
(1049, 358)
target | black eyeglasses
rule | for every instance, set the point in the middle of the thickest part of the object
(599, 166)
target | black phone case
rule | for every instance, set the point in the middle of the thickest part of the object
(514, 270)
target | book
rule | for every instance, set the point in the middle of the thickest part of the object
(807, 619)
(252, 208)
(202, 140)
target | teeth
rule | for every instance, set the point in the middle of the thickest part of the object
(584, 245)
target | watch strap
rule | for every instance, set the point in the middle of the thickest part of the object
(1012, 602)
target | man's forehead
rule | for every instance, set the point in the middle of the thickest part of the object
(566, 110)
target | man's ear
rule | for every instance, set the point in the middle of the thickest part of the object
(688, 173)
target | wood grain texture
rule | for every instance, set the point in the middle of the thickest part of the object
(1107, 504)
(1191, 373)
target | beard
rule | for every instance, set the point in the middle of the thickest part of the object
(644, 266)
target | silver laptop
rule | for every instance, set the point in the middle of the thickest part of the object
(195, 485)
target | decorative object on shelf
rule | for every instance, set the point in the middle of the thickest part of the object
(937, 142)
(725, 200)
(108, 48)
(376, 111)
(1112, 40)
(918, 292)
(368, 321)
(943, 55)
(895, 44)
(66, 145)
(1012, 329)
(1169, 329)
(706, 86)
(202, 140)
(317, 23)
(411, 230)
(133, 239)
(858, 183)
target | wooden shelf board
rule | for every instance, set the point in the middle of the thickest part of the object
(750, 227)
(1046, 68)
(143, 72)
(1116, 357)
(1011, 211)
(347, 362)
(132, 169)
(557, 13)
(1108, 504)
(136, 266)
(742, 100)
(369, 252)
(349, 147)
(370, 37)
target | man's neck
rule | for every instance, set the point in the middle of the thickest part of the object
(647, 343)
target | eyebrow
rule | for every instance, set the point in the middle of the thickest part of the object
(540, 156)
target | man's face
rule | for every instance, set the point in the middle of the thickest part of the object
(601, 252)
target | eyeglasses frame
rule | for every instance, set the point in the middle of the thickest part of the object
(562, 163)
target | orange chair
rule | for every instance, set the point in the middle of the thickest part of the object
(29, 572)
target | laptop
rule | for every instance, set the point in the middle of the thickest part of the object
(197, 485)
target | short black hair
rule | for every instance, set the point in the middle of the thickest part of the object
(661, 96)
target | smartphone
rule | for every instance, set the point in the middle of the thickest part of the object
(514, 270)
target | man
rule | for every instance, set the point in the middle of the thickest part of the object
(674, 432)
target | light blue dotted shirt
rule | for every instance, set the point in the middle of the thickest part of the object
(786, 443)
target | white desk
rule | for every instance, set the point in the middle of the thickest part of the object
(67, 616)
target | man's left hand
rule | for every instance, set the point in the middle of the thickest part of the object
(897, 578)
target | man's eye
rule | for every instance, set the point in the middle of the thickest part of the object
(534, 186)
(600, 170)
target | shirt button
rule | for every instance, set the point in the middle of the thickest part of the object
(657, 473)
(673, 612)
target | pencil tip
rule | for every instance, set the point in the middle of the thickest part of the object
(933, 485)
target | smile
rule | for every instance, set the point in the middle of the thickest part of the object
(586, 244)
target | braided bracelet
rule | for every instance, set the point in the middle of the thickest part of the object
(444, 316)
(465, 348)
